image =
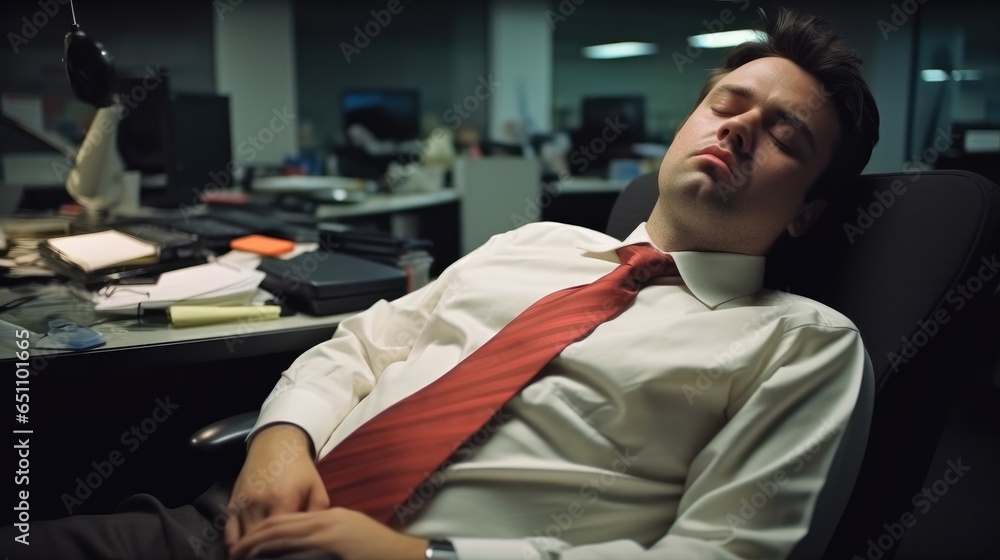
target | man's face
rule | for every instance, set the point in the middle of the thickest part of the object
(738, 170)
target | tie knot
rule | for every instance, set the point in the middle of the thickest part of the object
(646, 262)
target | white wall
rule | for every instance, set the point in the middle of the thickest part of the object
(255, 67)
(888, 63)
(520, 40)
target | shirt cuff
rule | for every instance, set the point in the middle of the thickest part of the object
(302, 408)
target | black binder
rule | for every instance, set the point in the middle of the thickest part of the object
(324, 282)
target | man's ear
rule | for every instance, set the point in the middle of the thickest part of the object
(806, 217)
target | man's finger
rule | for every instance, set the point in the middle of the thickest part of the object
(232, 530)
(250, 517)
(318, 499)
(280, 536)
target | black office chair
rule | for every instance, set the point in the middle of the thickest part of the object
(890, 255)
(893, 264)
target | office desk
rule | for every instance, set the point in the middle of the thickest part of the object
(432, 215)
(84, 405)
(487, 203)
(387, 203)
(593, 185)
(132, 340)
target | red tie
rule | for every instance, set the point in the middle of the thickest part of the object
(377, 467)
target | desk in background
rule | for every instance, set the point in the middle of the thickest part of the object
(388, 203)
(132, 340)
(432, 215)
(84, 405)
(491, 196)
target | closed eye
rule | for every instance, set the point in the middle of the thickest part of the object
(780, 145)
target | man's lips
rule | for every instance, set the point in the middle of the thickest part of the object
(721, 157)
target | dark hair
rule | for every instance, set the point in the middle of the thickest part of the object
(810, 42)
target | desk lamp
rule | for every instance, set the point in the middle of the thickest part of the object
(98, 180)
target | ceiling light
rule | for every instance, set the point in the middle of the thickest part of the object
(968, 75)
(938, 75)
(724, 39)
(619, 50)
(934, 75)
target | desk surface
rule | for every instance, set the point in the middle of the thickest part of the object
(592, 185)
(83, 404)
(404, 201)
(130, 339)
(387, 203)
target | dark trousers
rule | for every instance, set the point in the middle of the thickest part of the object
(140, 529)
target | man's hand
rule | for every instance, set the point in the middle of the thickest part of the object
(278, 477)
(348, 534)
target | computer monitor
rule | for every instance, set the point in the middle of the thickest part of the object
(179, 141)
(629, 110)
(390, 114)
(201, 147)
(144, 130)
(609, 126)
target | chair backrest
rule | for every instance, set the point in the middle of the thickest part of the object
(911, 259)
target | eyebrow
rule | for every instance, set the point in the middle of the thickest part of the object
(783, 111)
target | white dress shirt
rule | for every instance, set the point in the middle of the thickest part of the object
(699, 423)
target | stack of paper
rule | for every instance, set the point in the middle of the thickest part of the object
(94, 251)
(207, 284)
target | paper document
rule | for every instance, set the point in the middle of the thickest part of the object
(211, 283)
(94, 251)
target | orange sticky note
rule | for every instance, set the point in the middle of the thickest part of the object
(262, 245)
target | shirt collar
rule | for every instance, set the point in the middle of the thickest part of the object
(713, 278)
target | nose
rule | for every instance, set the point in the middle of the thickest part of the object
(737, 130)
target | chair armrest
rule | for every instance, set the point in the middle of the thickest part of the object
(224, 432)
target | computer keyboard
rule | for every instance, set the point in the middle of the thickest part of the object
(211, 227)
(212, 232)
(265, 225)
(156, 233)
(172, 243)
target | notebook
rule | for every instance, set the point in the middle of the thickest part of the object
(95, 251)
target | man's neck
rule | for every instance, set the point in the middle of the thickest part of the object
(670, 236)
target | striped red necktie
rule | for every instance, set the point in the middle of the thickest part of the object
(377, 467)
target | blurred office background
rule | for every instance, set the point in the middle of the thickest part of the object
(932, 65)
(510, 77)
